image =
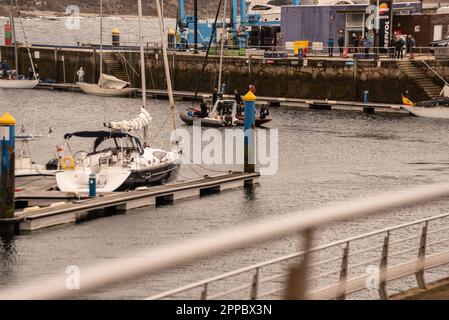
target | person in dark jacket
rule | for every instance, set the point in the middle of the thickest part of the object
(214, 96)
(330, 46)
(5, 69)
(341, 43)
(400, 48)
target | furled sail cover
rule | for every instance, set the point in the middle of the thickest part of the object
(111, 82)
(139, 123)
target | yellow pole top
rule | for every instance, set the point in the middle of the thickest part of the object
(115, 31)
(7, 120)
(250, 97)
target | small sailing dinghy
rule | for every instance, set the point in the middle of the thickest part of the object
(436, 108)
(118, 160)
(18, 84)
(108, 86)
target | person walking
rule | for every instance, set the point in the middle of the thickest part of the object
(214, 96)
(391, 48)
(5, 69)
(367, 43)
(341, 43)
(80, 74)
(330, 46)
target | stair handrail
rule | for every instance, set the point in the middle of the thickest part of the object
(127, 63)
(436, 73)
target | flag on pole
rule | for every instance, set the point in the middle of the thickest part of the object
(407, 102)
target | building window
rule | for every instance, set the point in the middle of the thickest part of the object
(437, 32)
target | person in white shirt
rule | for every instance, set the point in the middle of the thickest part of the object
(80, 74)
(445, 92)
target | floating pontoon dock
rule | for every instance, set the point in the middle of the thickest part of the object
(71, 208)
(270, 101)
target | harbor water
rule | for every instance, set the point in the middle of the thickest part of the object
(324, 157)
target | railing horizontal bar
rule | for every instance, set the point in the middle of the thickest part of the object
(364, 263)
(316, 264)
(237, 289)
(163, 258)
(323, 275)
(402, 252)
(269, 293)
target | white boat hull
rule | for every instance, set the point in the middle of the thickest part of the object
(95, 89)
(18, 84)
(429, 112)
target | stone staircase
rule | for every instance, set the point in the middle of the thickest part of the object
(114, 66)
(422, 78)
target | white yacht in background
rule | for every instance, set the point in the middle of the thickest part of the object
(25, 166)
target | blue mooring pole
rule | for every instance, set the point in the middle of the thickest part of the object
(7, 166)
(296, 2)
(250, 125)
(92, 185)
(366, 96)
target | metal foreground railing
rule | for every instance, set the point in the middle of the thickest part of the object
(323, 272)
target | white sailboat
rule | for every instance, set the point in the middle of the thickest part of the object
(118, 160)
(436, 108)
(107, 86)
(14, 81)
(24, 165)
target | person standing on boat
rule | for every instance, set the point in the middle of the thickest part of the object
(5, 68)
(80, 74)
(214, 96)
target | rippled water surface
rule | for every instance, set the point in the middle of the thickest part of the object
(324, 157)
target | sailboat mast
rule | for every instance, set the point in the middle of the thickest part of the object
(16, 47)
(142, 55)
(220, 72)
(166, 65)
(101, 37)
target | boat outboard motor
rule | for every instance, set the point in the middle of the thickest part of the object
(52, 164)
(264, 113)
(203, 113)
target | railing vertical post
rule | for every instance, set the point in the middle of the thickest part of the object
(421, 258)
(343, 273)
(383, 269)
(297, 278)
(255, 285)
(204, 292)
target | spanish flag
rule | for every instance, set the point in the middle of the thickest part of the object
(407, 102)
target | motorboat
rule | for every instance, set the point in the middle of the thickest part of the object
(107, 86)
(223, 114)
(25, 166)
(436, 108)
(119, 161)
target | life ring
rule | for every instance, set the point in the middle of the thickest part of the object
(68, 162)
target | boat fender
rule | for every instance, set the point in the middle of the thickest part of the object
(68, 162)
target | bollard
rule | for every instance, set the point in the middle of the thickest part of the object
(115, 37)
(7, 166)
(366, 96)
(92, 185)
(250, 124)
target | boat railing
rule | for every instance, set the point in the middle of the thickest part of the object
(332, 271)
